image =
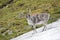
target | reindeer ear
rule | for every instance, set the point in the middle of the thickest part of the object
(27, 15)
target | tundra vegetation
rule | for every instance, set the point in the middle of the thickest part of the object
(11, 23)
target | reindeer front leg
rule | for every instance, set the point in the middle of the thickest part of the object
(34, 29)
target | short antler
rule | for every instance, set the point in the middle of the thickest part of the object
(29, 10)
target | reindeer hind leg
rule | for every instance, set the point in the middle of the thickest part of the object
(44, 29)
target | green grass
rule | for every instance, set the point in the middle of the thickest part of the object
(8, 13)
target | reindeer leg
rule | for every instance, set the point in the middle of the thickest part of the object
(34, 29)
(44, 29)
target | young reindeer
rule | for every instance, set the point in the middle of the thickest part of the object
(37, 19)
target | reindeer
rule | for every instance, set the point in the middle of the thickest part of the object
(37, 19)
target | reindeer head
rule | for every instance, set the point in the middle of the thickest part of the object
(28, 16)
(24, 14)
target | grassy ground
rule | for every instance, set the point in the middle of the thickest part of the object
(10, 19)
